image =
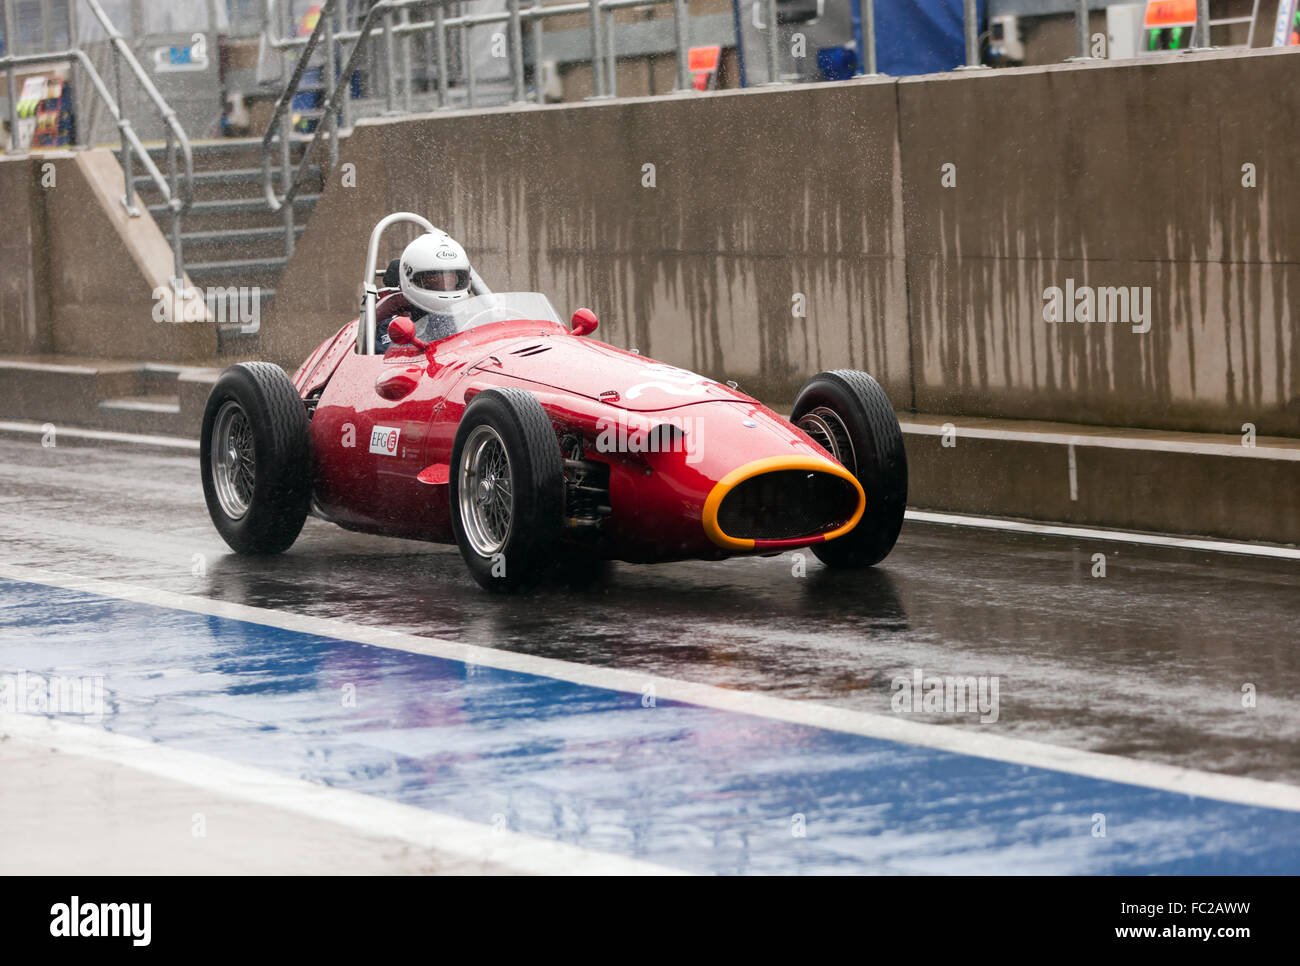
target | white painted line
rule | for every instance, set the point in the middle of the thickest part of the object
(1113, 536)
(163, 369)
(1265, 451)
(140, 406)
(519, 853)
(1228, 788)
(1074, 475)
(102, 435)
(48, 367)
(920, 516)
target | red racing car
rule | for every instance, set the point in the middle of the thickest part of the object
(487, 422)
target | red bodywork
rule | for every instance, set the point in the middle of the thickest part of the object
(662, 505)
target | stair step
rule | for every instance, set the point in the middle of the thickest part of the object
(235, 205)
(219, 244)
(221, 166)
(232, 340)
(218, 236)
(236, 265)
(143, 404)
(223, 147)
(231, 176)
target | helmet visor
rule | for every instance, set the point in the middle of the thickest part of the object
(442, 280)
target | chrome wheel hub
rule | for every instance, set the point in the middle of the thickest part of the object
(829, 432)
(233, 460)
(486, 501)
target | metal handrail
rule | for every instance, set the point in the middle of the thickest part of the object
(175, 137)
(130, 140)
(9, 63)
(178, 194)
(513, 16)
(280, 115)
(603, 56)
(337, 92)
(174, 128)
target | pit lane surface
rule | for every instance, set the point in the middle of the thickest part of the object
(1147, 663)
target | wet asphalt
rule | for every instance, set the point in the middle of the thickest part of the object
(1148, 661)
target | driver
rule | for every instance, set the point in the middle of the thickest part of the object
(434, 273)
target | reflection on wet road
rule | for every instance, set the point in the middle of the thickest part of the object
(1148, 661)
(696, 788)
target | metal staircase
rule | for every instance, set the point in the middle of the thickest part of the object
(230, 238)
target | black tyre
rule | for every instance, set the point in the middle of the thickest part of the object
(850, 416)
(506, 490)
(255, 454)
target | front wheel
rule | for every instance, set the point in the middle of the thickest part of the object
(847, 413)
(506, 489)
(255, 458)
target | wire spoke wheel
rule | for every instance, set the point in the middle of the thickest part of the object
(829, 432)
(233, 460)
(487, 503)
(255, 458)
(848, 414)
(506, 490)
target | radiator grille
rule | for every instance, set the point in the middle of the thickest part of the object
(785, 504)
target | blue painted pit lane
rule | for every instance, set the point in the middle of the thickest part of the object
(694, 788)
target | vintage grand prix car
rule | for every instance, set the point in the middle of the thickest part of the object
(539, 451)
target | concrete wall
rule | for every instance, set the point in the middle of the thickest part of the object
(78, 273)
(1126, 174)
(758, 196)
(24, 295)
(1119, 174)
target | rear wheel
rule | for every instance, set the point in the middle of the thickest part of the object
(255, 458)
(506, 489)
(851, 417)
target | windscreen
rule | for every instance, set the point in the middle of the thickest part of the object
(483, 309)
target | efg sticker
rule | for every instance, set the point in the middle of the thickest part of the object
(383, 440)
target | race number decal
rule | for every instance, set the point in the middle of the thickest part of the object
(383, 440)
(669, 379)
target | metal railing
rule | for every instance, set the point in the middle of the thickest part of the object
(390, 20)
(177, 190)
(379, 22)
(514, 17)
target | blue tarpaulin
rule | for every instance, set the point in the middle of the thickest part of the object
(920, 36)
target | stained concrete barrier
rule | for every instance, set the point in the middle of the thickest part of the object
(1175, 175)
(1193, 484)
(696, 227)
(1190, 484)
(754, 236)
(24, 272)
(78, 273)
(116, 395)
(1118, 175)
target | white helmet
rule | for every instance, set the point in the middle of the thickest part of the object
(434, 270)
